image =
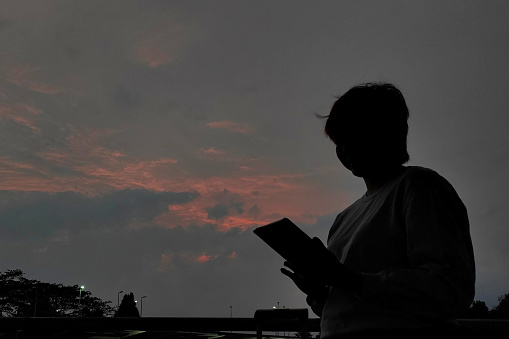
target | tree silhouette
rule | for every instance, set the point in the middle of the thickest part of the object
(128, 307)
(501, 311)
(478, 310)
(22, 297)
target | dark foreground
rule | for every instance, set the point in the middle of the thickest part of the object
(270, 324)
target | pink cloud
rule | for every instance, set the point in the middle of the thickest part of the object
(259, 198)
(102, 168)
(23, 114)
(231, 126)
(271, 196)
(161, 44)
(99, 169)
(198, 258)
(202, 258)
(166, 262)
(251, 198)
(212, 151)
(14, 173)
(247, 196)
(29, 77)
(153, 56)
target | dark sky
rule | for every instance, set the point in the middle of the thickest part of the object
(142, 141)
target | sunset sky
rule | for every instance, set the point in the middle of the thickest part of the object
(142, 141)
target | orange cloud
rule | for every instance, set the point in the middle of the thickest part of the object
(14, 165)
(29, 77)
(231, 126)
(166, 262)
(198, 258)
(239, 199)
(153, 56)
(160, 44)
(202, 258)
(247, 196)
(212, 151)
(264, 197)
(246, 200)
(97, 168)
(102, 168)
(23, 114)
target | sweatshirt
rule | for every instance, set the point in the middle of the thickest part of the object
(410, 241)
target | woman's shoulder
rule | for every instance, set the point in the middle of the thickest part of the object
(424, 179)
(422, 174)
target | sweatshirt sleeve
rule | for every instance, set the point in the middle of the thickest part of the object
(440, 277)
(316, 304)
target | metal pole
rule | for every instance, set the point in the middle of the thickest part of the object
(35, 304)
(141, 315)
(277, 333)
(79, 303)
(118, 302)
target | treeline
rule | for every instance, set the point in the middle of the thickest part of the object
(22, 297)
(479, 310)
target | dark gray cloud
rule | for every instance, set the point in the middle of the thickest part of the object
(229, 204)
(220, 211)
(29, 215)
(242, 271)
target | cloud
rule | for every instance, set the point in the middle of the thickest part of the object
(29, 77)
(162, 43)
(219, 211)
(231, 126)
(198, 265)
(242, 201)
(82, 162)
(31, 215)
(166, 262)
(88, 162)
(199, 258)
(153, 56)
(23, 114)
(213, 152)
(9, 165)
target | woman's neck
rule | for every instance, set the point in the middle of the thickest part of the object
(379, 178)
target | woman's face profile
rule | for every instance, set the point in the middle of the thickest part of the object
(361, 153)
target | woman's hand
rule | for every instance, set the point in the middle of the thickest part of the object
(323, 268)
(307, 284)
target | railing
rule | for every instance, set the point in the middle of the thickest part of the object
(12, 327)
(283, 320)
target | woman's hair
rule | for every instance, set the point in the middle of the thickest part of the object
(375, 110)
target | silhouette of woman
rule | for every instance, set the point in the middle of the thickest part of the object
(400, 258)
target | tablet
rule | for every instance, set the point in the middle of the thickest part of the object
(287, 239)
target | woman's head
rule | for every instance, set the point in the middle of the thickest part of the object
(370, 121)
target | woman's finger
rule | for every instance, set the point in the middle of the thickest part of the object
(290, 265)
(288, 273)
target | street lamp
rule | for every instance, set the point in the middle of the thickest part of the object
(231, 316)
(141, 315)
(118, 302)
(81, 289)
